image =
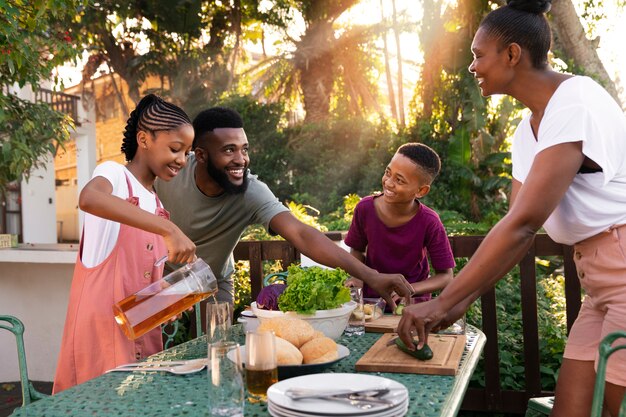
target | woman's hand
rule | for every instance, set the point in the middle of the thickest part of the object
(420, 319)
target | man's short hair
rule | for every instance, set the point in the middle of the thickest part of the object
(215, 118)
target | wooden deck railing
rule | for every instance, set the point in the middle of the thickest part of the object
(492, 397)
(61, 102)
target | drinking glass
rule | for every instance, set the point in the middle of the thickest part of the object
(226, 387)
(261, 365)
(458, 327)
(219, 318)
(356, 323)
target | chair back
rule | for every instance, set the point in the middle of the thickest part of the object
(605, 350)
(15, 326)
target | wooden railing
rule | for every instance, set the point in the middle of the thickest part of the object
(61, 102)
(492, 397)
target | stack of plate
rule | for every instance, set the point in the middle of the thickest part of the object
(280, 405)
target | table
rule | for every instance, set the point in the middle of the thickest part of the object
(163, 394)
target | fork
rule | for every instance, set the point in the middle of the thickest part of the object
(303, 393)
(361, 403)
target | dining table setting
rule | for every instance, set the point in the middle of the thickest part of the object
(163, 390)
(342, 358)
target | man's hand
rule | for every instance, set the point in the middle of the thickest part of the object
(386, 284)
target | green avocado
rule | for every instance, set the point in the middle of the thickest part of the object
(398, 310)
(423, 354)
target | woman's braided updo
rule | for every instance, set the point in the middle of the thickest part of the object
(151, 114)
(522, 22)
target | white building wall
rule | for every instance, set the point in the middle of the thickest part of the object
(85, 147)
(39, 215)
(35, 287)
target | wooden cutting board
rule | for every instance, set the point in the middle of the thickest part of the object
(384, 324)
(447, 351)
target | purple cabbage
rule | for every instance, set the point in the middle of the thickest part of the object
(268, 297)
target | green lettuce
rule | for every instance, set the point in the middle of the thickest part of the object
(314, 288)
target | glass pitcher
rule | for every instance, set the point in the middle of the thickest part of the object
(154, 305)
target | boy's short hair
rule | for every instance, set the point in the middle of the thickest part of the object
(423, 156)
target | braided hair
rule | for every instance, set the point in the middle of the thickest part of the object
(522, 22)
(151, 114)
(423, 156)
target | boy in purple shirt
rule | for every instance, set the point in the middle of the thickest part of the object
(391, 232)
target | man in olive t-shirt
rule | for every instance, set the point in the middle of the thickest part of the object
(215, 223)
(214, 198)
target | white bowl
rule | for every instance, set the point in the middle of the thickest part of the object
(249, 323)
(330, 322)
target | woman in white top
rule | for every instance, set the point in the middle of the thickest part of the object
(569, 176)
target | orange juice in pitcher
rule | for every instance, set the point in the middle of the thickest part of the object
(160, 301)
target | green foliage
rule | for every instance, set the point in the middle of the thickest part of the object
(341, 218)
(551, 319)
(299, 211)
(33, 40)
(243, 289)
(328, 161)
(29, 132)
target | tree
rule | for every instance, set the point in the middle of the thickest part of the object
(574, 44)
(33, 40)
(193, 45)
(323, 67)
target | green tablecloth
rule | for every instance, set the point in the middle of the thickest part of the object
(161, 394)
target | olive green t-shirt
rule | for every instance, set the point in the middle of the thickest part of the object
(215, 224)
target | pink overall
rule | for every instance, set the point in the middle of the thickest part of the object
(92, 341)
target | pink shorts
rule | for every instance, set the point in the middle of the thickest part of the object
(601, 265)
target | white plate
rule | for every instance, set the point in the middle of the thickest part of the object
(289, 371)
(399, 410)
(339, 381)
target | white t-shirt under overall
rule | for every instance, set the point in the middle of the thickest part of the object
(580, 110)
(100, 235)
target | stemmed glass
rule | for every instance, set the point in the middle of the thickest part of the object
(219, 318)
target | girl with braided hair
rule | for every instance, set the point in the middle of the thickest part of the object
(126, 230)
(569, 176)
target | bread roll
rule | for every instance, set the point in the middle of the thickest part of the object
(317, 334)
(295, 331)
(319, 350)
(287, 353)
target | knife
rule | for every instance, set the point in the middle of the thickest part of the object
(392, 341)
(157, 364)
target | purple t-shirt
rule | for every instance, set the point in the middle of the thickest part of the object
(400, 249)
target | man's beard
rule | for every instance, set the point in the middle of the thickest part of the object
(221, 178)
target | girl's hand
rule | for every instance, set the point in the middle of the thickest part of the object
(180, 316)
(180, 248)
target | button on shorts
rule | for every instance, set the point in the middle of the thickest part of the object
(601, 266)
